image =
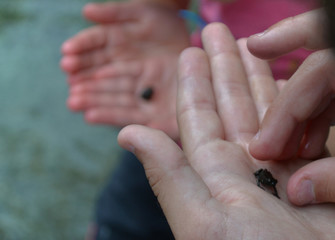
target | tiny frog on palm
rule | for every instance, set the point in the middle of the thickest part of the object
(265, 178)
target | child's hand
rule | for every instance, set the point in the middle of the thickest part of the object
(135, 46)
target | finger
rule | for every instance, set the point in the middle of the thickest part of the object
(201, 129)
(294, 105)
(117, 85)
(331, 140)
(117, 69)
(178, 188)
(306, 30)
(83, 75)
(111, 12)
(293, 145)
(261, 82)
(94, 39)
(234, 101)
(120, 68)
(88, 39)
(313, 183)
(317, 133)
(75, 63)
(79, 102)
(196, 109)
(115, 116)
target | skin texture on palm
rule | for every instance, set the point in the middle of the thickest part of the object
(134, 46)
(207, 190)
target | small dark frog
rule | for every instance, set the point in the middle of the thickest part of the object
(265, 178)
(147, 93)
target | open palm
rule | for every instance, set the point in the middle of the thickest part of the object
(208, 190)
(135, 46)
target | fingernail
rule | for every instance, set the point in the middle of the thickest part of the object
(306, 193)
(304, 152)
(261, 34)
(256, 137)
(307, 145)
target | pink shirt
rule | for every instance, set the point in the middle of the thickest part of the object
(247, 17)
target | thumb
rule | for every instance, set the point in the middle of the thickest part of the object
(111, 12)
(179, 189)
(313, 183)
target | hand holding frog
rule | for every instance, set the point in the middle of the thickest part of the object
(208, 190)
(134, 46)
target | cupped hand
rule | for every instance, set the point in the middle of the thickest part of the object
(133, 47)
(207, 189)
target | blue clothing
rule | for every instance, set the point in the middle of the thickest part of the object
(127, 208)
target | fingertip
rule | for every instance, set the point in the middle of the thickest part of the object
(69, 64)
(278, 137)
(74, 104)
(65, 64)
(313, 183)
(312, 151)
(300, 189)
(66, 47)
(268, 151)
(188, 59)
(150, 145)
(242, 42)
(252, 42)
(261, 45)
(136, 137)
(215, 26)
(242, 46)
(71, 46)
(184, 55)
(256, 46)
(89, 8)
(104, 12)
(187, 51)
(90, 5)
(259, 149)
(214, 34)
(124, 137)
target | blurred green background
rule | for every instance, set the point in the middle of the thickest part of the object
(52, 164)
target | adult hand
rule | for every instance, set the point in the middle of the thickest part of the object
(208, 189)
(135, 46)
(298, 121)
